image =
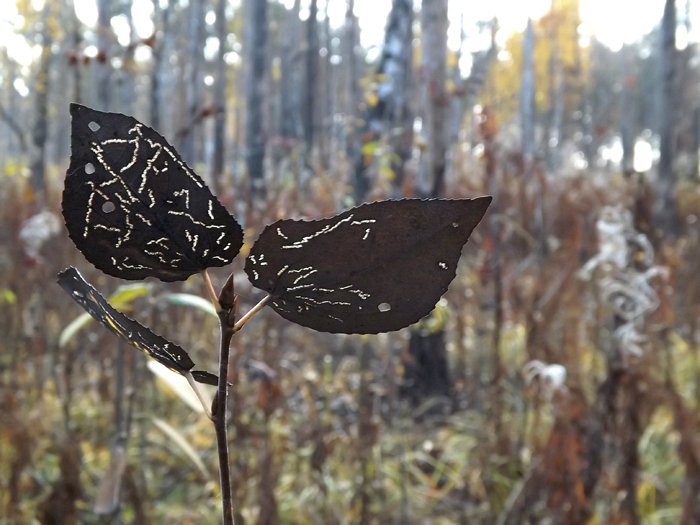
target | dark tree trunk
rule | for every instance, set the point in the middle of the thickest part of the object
(75, 61)
(311, 75)
(257, 54)
(193, 76)
(289, 92)
(627, 128)
(324, 108)
(128, 67)
(41, 122)
(104, 68)
(428, 353)
(217, 169)
(696, 144)
(393, 107)
(160, 50)
(666, 213)
(426, 373)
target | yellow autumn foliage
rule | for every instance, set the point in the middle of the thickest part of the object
(558, 56)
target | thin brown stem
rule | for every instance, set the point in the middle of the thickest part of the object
(219, 410)
(210, 290)
(219, 414)
(243, 320)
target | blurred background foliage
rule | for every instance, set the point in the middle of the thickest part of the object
(556, 382)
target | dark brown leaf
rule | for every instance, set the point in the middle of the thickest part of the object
(375, 268)
(133, 207)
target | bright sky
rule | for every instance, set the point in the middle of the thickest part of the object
(614, 22)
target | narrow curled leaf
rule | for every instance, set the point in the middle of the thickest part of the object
(133, 332)
(375, 268)
(121, 299)
(135, 209)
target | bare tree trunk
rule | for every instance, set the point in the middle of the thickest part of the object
(627, 128)
(665, 199)
(311, 75)
(527, 120)
(527, 101)
(323, 120)
(557, 94)
(160, 49)
(401, 110)
(289, 93)
(428, 350)
(41, 104)
(434, 97)
(104, 68)
(75, 56)
(128, 67)
(351, 39)
(257, 54)
(237, 154)
(696, 144)
(193, 76)
(456, 112)
(219, 101)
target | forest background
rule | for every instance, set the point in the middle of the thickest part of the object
(558, 380)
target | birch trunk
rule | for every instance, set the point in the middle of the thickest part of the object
(434, 97)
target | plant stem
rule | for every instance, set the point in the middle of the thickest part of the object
(211, 292)
(243, 320)
(219, 412)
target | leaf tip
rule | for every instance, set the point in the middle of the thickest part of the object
(483, 203)
(76, 109)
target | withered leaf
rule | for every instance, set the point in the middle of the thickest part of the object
(165, 352)
(375, 268)
(135, 209)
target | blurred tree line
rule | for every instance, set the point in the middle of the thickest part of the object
(585, 262)
(240, 87)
